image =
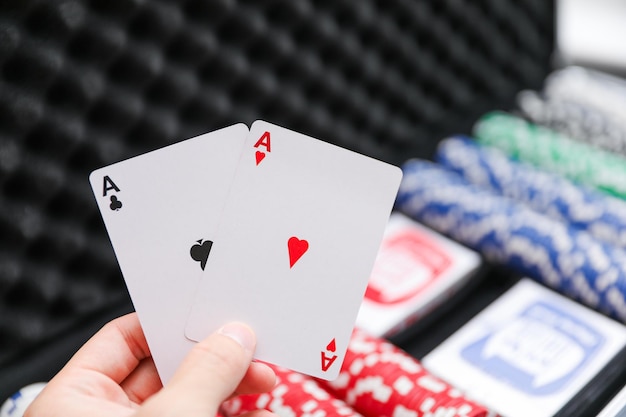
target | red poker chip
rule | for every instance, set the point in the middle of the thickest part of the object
(294, 395)
(380, 380)
(377, 379)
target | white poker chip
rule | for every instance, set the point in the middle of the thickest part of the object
(593, 88)
(16, 405)
(575, 120)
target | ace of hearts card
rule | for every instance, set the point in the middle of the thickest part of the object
(294, 248)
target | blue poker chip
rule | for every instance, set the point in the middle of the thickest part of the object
(16, 405)
(507, 232)
(599, 214)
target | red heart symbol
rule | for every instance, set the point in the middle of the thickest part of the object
(259, 157)
(331, 346)
(296, 247)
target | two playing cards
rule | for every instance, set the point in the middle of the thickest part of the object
(263, 225)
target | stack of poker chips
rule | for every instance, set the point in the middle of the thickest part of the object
(380, 380)
(377, 379)
(596, 89)
(582, 104)
(551, 151)
(599, 214)
(543, 196)
(576, 120)
(294, 395)
(507, 232)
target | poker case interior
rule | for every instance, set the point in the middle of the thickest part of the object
(86, 84)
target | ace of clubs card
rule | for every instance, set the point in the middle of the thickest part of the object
(295, 247)
(161, 211)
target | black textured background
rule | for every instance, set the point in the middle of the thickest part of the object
(85, 84)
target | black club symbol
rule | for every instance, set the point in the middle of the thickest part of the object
(115, 203)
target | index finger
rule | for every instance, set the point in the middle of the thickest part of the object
(115, 350)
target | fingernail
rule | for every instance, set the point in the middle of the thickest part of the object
(240, 333)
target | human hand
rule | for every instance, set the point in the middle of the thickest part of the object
(113, 375)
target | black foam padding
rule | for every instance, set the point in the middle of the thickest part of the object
(85, 84)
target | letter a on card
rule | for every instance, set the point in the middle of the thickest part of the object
(263, 142)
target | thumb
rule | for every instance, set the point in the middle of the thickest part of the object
(209, 374)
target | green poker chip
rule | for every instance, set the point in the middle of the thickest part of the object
(551, 151)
